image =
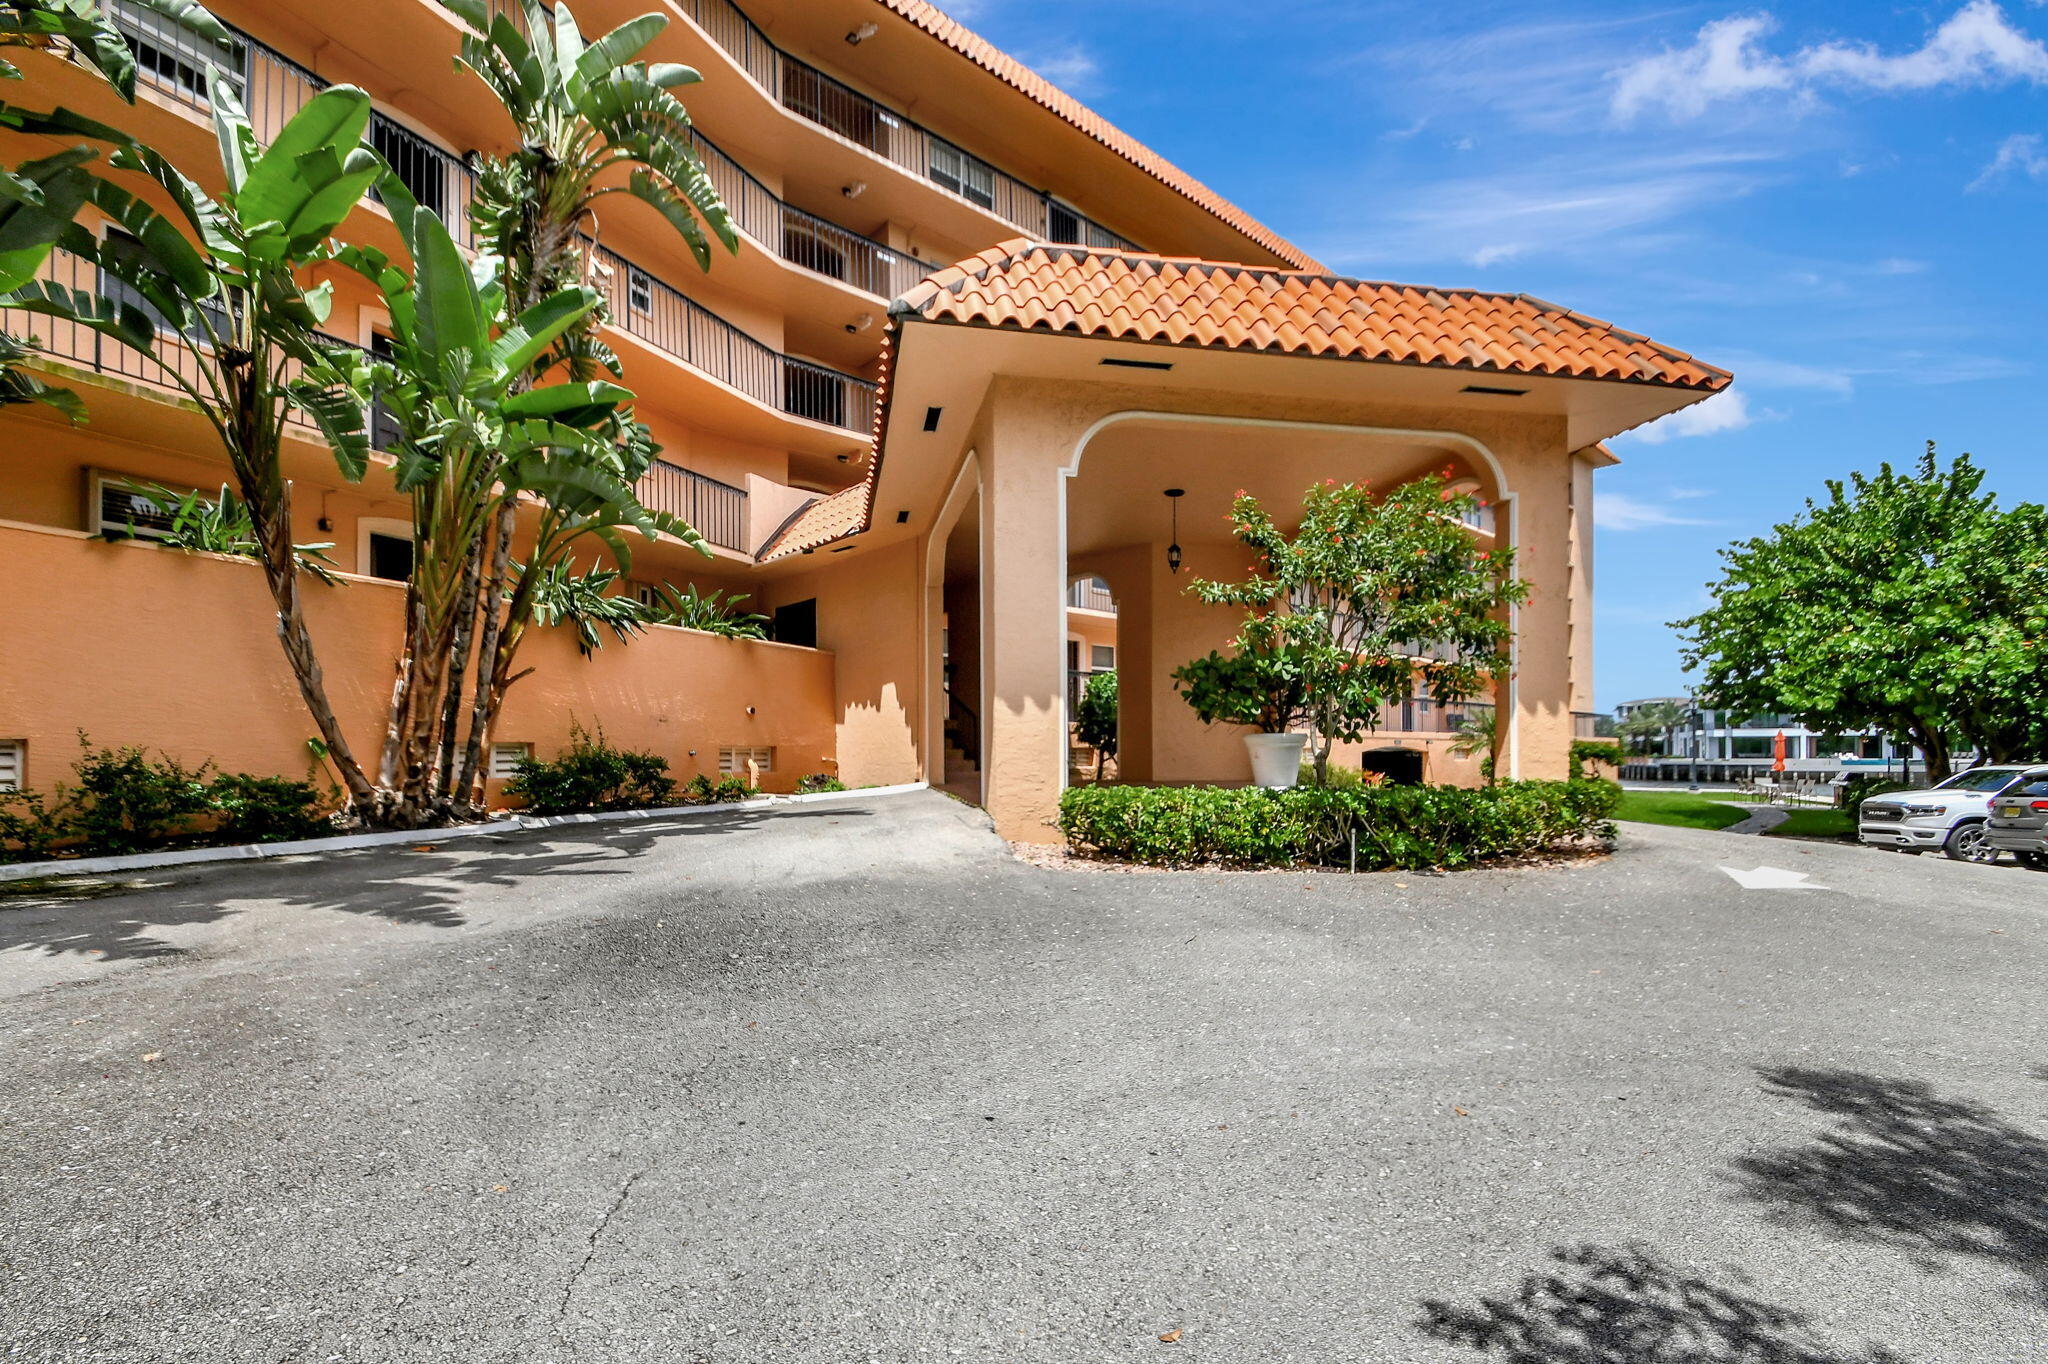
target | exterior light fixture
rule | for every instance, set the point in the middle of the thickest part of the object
(1173, 496)
(860, 35)
(853, 189)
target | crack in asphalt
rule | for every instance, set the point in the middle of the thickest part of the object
(597, 1231)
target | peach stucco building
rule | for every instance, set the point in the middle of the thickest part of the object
(973, 335)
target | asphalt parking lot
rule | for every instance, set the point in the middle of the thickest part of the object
(851, 1083)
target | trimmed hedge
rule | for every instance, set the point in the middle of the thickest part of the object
(1397, 826)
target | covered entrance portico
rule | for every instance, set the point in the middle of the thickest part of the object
(1048, 397)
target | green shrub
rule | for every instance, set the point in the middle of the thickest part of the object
(1340, 778)
(29, 829)
(125, 801)
(731, 789)
(1595, 751)
(699, 790)
(818, 782)
(592, 775)
(264, 809)
(1397, 826)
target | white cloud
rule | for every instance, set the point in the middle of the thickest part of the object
(1072, 68)
(1725, 411)
(1757, 371)
(2021, 154)
(1977, 45)
(1557, 205)
(1620, 512)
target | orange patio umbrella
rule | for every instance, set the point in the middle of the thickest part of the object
(1778, 752)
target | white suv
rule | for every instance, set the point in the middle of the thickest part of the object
(1949, 816)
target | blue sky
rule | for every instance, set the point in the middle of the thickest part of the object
(1844, 203)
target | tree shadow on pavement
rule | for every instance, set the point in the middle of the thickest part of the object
(1628, 1305)
(425, 884)
(1935, 1178)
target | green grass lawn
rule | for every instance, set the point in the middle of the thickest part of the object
(1685, 808)
(1815, 824)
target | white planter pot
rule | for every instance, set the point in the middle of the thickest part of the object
(1276, 758)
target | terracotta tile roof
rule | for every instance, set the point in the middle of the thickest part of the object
(1023, 79)
(823, 521)
(845, 512)
(1120, 296)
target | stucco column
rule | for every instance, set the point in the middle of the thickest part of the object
(1023, 602)
(1544, 534)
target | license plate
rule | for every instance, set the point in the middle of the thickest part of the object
(2009, 811)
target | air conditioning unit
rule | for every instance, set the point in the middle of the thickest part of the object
(114, 507)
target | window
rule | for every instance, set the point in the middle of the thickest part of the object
(796, 623)
(117, 508)
(639, 292)
(1102, 657)
(175, 58)
(967, 177)
(1752, 746)
(384, 548)
(745, 762)
(505, 760)
(1062, 224)
(384, 429)
(419, 165)
(13, 764)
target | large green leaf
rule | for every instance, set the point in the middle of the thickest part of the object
(570, 404)
(45, 199)
(290, 171)
(619, 46)
(231, 130)
(449, 313)
(536, 329)
(164, 246)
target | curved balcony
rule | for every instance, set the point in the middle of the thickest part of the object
(834, 105)
(172, 62)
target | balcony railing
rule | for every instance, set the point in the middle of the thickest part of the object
(717, 510)
(805, 239)
(834, 105)
(274, 87)
(660, 315)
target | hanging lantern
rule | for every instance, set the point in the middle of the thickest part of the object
(1174, 496)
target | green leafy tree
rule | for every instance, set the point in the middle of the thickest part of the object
(214, 295)
(1905, 602)
(1095, 717)
(1369, 598)
(591, 121)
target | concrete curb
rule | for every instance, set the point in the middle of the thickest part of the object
(245, 852)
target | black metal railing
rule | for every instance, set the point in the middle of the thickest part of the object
(838, 107)
(803, 238)
(717, 510)
(659, 314)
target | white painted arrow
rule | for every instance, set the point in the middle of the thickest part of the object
(1772, 878)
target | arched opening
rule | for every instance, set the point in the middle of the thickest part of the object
(1124, 528)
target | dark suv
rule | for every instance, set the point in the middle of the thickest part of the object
(2019, 820)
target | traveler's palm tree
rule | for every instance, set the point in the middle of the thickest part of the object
(470, 441)
(591, 120)
(211, 294)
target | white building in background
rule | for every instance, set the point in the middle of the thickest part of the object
(1722, 745)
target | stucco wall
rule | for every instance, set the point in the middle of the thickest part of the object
(136, 644)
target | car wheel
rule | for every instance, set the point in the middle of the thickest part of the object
(1970, 843)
